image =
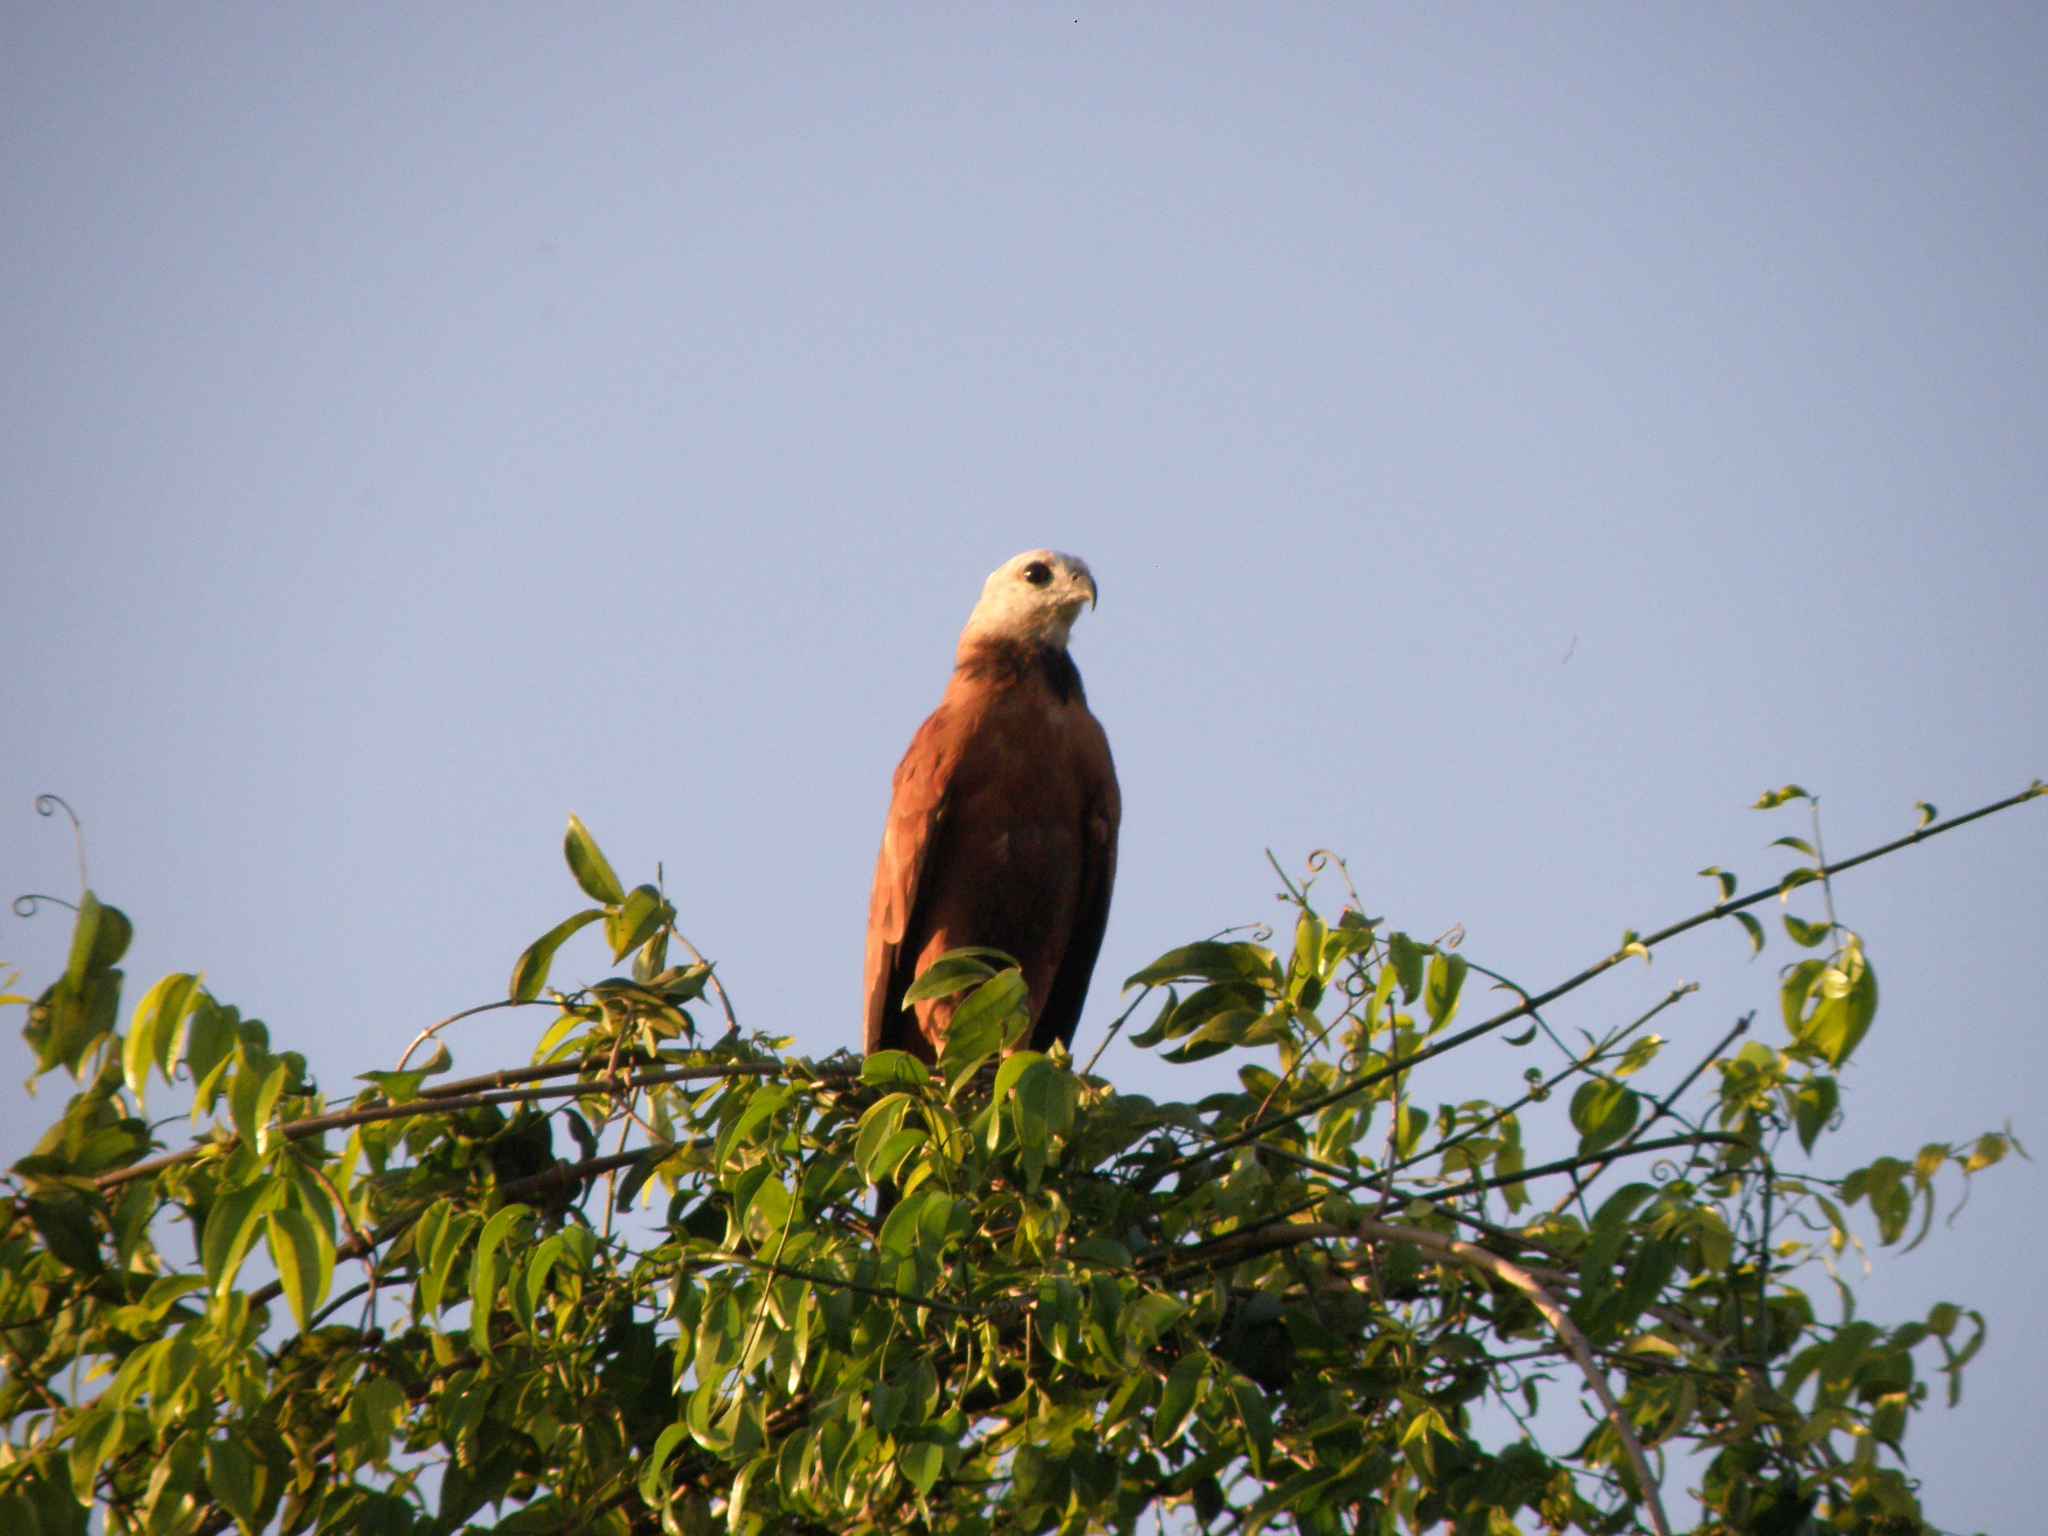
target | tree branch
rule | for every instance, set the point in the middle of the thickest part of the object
(1529, 1005)
(1510, 1274)
(448, 1102)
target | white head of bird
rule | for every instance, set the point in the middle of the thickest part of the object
(1033, 597)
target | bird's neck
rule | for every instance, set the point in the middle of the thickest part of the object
(1008, 662)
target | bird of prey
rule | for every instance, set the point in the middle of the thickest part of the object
(1002, 827)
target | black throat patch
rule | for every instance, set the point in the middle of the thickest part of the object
(1017, 661)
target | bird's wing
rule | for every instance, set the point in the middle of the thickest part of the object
(1102, 815)
(916, 806)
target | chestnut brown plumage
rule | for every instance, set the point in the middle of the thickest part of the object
(1002, 828)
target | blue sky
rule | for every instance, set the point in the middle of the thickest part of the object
(1506, 442)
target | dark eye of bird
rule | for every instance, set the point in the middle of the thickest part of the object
(1038, 573)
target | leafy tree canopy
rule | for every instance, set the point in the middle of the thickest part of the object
(639, 1283)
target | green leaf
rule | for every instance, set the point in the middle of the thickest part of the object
(1813, 1105)
(1145, 1320)
(1239, 1000)
(1926, 813)
(955, 971)
(1754, 929)
(878, 1123)
(1014, 1066)
(638, 918)
(899, 1232)
(84, 932)
(95, 1438)
(209, 1051)
(921, 1462)
(762, 1103)
(1254, 1419)
(400, 1087)
(983, 1023)
(153, 1033)
(1771, 799)
(66, 1226)
(1406, 956)
(376, 1408)
(485, 1269)
(1446, 980)
(1213, 961)
(894, 1069)
(305, 1264)
(1305, 971)
(1155, 1032)
(736, 1517)
(231, 1226)
(235, 1477)
(1603, 1113)
(652, 1483)
(1725, 878)
(1610, 1230)
(935, 1224)
(1808, 935)
(1177, 1401)
(253, 1093)
(1794, 990)
(1795, 878)
(439, 1239)
(530, 974)
(1846, 1009)
(587, 863)
(539, 1269)
(767, 1211)
(267, 1095)
(890, 1151)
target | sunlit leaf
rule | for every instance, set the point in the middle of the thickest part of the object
(921, 1463)
(531, 972)
(588, 864)
(1808, 935)
(304, 1264)
(486, 1268)
(893, 1069)
(1446, 981)
(1406, 957)
(1213, 961)
(957, 970)
(1773, 798)
(638, 917)
(154, 1033)
(232, 1223)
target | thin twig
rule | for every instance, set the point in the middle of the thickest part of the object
(1111, 1033)
(432, 1030)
